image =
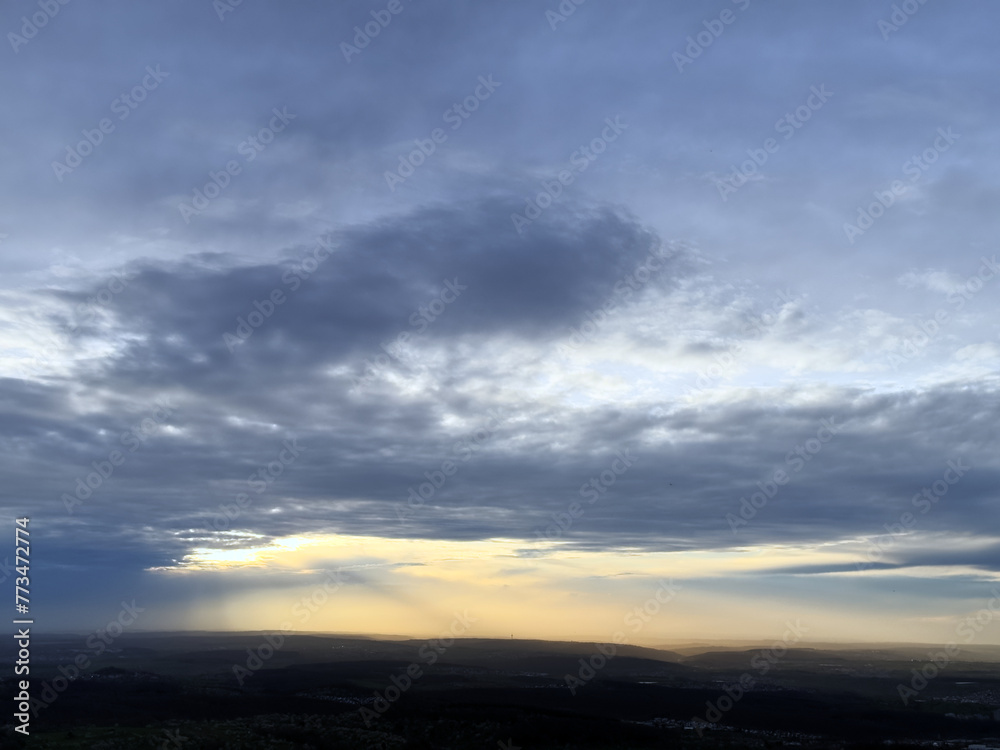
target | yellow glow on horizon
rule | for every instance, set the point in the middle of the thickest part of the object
(534, 589)
(480, 560)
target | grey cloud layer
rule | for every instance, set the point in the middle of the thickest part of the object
(364, 448)
(506, 342)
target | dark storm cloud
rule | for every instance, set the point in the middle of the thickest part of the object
(346, 295)
(169, 322)
(361, 455)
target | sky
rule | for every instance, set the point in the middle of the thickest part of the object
(359, 316)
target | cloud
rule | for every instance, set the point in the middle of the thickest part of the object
(941, 282)
(381, 330)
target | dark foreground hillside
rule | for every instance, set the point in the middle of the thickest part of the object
(215, 691)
